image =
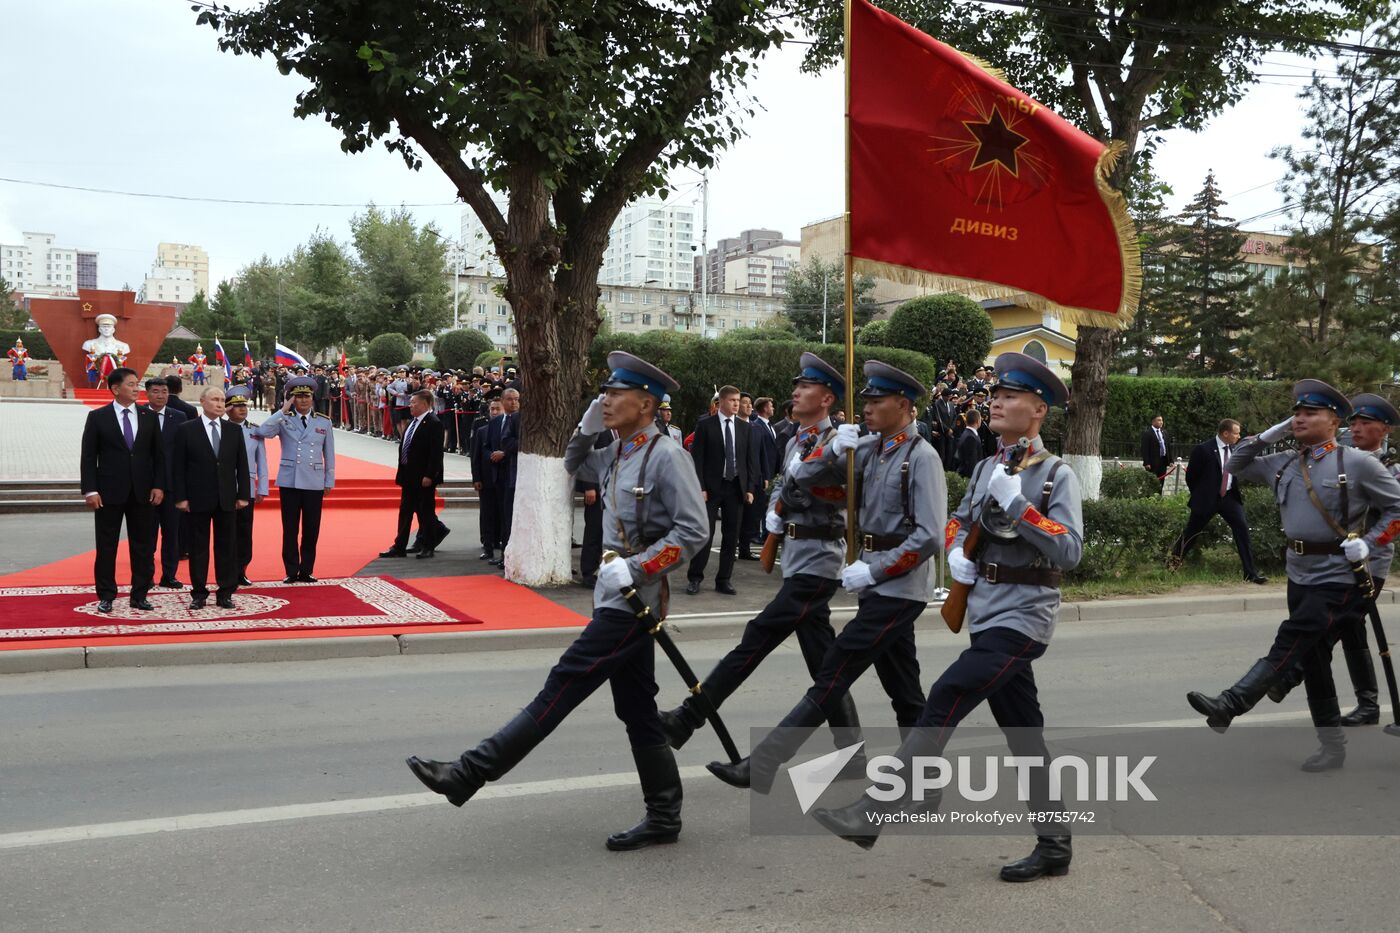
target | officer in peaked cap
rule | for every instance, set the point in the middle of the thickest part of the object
(657, 522)
(306, 469)
(664, 415)
(1338, 506)
(902, 510)
(813, 525)
(1029, 509)
(236, 405)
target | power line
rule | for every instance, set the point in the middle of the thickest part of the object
(209, 200)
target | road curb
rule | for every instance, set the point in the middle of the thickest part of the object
(718, 626)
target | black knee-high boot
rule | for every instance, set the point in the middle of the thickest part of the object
(860, 822)
(661, 792)
(1221, 710)
(1327, 718)
(759, 769)
(1363, 677)
(459, 780)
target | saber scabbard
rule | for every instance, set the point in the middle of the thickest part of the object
(1389, 666)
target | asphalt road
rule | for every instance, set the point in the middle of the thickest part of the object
(95, 748)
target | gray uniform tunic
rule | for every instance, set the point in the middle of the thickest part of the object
(674, 522)
(1053, 539)
(903, 572)
(821, 491)
(1381, 557)
(307, 458)
(1369, 486)
(257, 460)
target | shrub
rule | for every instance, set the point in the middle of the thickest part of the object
(34, 341)
(957, 488)
(488, 359)
(390, 350)
(875, 334)
(1128, 482)
(942, 327)
(458, 349)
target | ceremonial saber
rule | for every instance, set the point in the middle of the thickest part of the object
(1384, 648)
(692, 683)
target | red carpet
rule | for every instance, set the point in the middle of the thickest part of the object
(500, 604)
(362, 603)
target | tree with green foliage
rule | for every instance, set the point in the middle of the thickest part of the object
(815, 304)
(458, 349)
(401, 275)
(779, 329)
(1202, 298)
(390, 350)
(199, 318)
(574, 106)
(875, 334)
(1121, 70)
(1139, 344)
(12, 313)
(320, 293)
(943, 327)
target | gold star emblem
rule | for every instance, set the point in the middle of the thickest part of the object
(87, 306)
(996, 142)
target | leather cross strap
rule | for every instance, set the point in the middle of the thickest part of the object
(1322, 510)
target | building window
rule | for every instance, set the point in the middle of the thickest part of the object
(1035, 349)
(500, 330)
(480, 308)
(646, 319)
(629, 318)
(500, 310)
(481, 288)
(481, 327)
(628, 298)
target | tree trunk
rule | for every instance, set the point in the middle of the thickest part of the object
(1089, 381)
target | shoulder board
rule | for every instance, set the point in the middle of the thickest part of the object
(319, 415)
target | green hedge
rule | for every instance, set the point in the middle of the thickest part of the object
(763, 367)
(957, 488)
(390, 350)
(1128, 482)
(458, 349)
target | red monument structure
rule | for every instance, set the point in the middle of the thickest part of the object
(68, 323)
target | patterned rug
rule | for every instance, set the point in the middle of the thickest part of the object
(37, 612)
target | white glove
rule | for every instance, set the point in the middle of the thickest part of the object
(847, 436)
(1004, 487)
(774, 523)
(962, 569)
(592, 422)
(856, 577)
(614, 575)
(795, 462)
(1355, 549)
(1278, 432)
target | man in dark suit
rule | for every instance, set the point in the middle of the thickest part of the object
(123, 475)
(1215, 492)
(176, 385)
(418, 476)
(968, 452)
(1154, 444)
(504, 455)
(484, 481)
(725, 462)
(167, 519)
(211, 484)
(587, 483)
(765, 445)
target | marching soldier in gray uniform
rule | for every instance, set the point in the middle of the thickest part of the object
(655, 519)
(1372, 418)
(1027, 504)
(813, 522)
(236, 407)
(1337, 506)
(904, 504)
(305, 470)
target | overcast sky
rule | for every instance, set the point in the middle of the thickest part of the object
(133, 96)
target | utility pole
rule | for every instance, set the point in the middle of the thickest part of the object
(824, 274)
(704, 250)
(456, 282)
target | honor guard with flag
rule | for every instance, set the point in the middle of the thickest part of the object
(1372, 418)
(19, 361)
(198, 360)
(655, 519)
(1338, 506)
(808, 509)
(1026, 506)
(236, 408)
(305, 470)
(904, 503)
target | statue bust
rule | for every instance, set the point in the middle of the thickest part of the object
(106, 342)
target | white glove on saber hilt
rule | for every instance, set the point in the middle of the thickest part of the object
(1278, 432)
(592, 421)
(962, 569)
(774, 524)
(856, 577)
(1355, 550)
(613, 573)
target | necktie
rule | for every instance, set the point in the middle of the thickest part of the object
(1161, 441)
(1224, 470)
(214, 436)
(303, 421)
(730, 469)
(126, 429)
(408, 439)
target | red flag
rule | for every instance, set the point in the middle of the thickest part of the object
(342, 364)
(958, 181)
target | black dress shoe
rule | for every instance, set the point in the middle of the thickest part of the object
(170, 583)
(1257, 578)
(196, 603)
(486, 554)
(426, 553)
(735, 775)
(441, 778)
(1051, 856)
(443, 532)
(290, 579)
(244, 581)
(747, 555)
(692, 587)
(588, 582)
(725, 587)
(395, 552)
(143, 604)
(305, 578)
(411, 549)
(225, 602)
(104, 605)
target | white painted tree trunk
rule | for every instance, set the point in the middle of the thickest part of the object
(1088, 470)
(542, 523)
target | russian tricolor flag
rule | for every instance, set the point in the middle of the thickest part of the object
(247, 354)
(222, 359)
(286, 356)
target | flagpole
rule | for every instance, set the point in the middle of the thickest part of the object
(851, 505)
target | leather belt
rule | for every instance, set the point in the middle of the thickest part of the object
(882, 542)
(1028, 576)
(796, 532)
(1314, 548)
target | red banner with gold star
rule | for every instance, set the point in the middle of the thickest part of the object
(960, 182)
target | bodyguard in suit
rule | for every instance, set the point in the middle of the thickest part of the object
(167, 518)
(1215, 492)
(653, 531)
(306, 469)
(236, 407)
(484, 481)
(211, 484)
(725, 463)
(969, 446)
(176, 386)
(1154, 445)
(765, 445)
(586, 482)
(1330, 526)
(506, 457)
(123, 476)
(418, 476)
